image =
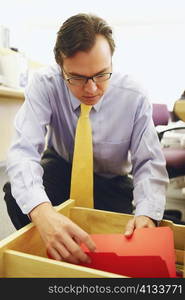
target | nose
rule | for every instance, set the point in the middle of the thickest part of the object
(90, 86)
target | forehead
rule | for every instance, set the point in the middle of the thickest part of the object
(92, 61)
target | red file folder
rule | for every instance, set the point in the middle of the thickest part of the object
(149, 252)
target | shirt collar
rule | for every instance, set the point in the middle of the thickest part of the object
(76, 103)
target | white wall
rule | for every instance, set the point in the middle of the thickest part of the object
(154, 54)
(150, 36)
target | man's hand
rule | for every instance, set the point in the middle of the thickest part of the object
(138, 222)
(61, 236)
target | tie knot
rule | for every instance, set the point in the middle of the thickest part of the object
(85, 110)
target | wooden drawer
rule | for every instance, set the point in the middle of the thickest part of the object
(23, 253)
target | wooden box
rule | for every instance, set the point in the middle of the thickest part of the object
(23, 254)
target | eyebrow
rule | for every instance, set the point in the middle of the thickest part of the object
(80, 75)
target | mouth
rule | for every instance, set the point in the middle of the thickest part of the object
(91, 98)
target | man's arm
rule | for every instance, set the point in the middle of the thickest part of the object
(60, 235)
(149, 172)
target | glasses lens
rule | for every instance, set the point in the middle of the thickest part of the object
(102, 77)
(77, 81)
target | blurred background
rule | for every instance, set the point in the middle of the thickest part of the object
(150, 46)
(150, 36)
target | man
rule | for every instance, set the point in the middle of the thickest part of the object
(123, 133)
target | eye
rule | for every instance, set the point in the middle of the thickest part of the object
(102, 77)
(78, 78)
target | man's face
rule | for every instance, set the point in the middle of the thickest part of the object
(91, 63)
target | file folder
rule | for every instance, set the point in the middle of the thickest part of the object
(148, 253)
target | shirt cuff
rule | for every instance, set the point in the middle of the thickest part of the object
(144, 209)
(32, 198)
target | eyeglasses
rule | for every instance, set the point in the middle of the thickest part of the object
(82, 80)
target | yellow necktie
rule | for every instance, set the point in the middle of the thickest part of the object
(82, 168)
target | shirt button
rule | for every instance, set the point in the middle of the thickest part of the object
(158, 214)
(24, 206)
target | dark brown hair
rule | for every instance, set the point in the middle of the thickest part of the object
(78, 33)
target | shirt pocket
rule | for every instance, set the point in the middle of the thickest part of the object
(111, 156)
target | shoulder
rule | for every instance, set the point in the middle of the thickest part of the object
(46, 73)
(44, 79)
(127, 84)
(129, 92)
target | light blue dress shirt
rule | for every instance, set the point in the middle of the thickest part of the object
(124, 139)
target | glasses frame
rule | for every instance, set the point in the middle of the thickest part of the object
(93, 78)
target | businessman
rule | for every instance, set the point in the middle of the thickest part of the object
(129, 167)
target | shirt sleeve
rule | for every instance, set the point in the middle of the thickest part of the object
(149, 165)
(24, 155)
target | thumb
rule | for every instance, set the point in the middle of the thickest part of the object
(129, 228)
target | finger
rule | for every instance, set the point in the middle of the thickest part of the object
(130, 228)
(84, 237)
(66, 255)
(77, 240)
(75, 250)
(61, 254)
(53, 254)
(72, 260)
(89, 242)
